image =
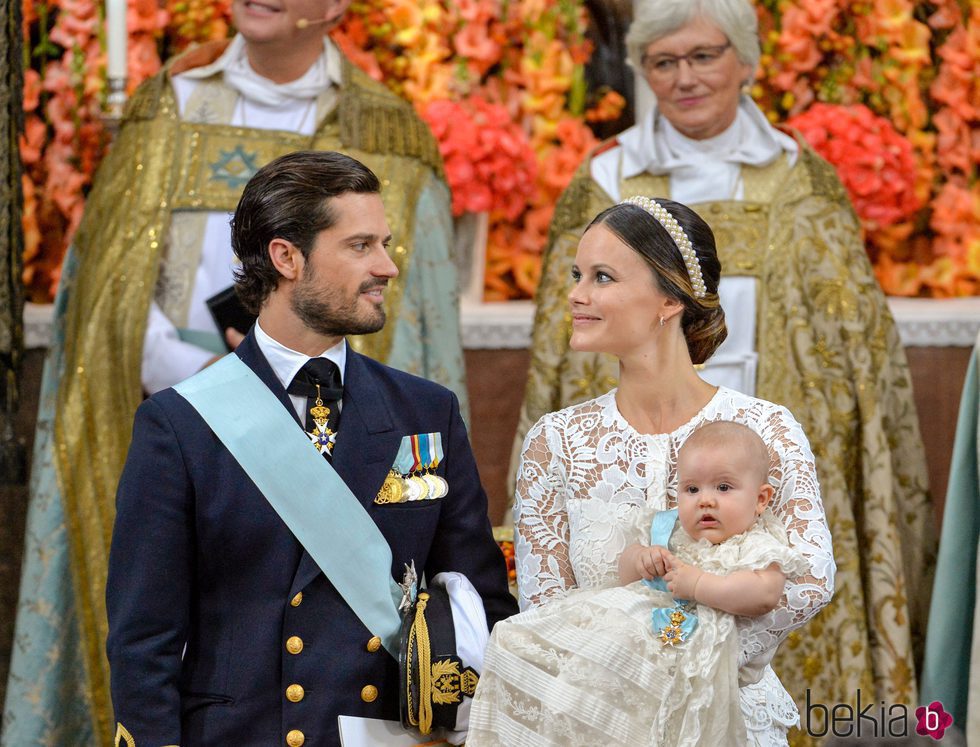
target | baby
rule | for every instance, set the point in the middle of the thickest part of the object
(655, 661)
(722, 490)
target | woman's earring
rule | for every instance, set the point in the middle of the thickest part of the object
(662, 321)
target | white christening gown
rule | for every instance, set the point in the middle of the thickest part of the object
(588, 486)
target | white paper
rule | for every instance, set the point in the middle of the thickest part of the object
(374, 732)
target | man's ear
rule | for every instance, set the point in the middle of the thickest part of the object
(766, 492)
(286, 258)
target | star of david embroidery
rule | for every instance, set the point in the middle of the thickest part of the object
(234, 167)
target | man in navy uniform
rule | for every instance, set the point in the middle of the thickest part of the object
(252, 580)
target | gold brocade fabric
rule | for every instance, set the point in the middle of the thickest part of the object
(829, 351)
(157, 165)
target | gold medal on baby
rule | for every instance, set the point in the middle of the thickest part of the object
(321, 436)
(674, 625)
(671, 635)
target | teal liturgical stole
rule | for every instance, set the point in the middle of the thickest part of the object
(333, 527)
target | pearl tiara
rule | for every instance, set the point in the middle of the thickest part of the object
(670, 224)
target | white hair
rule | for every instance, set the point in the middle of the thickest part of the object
(654, 19)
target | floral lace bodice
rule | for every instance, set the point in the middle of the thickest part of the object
(588, 485)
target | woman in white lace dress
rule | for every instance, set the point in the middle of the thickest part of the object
(592, 475)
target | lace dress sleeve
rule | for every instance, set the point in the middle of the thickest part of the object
(797, 505)
(544, 568)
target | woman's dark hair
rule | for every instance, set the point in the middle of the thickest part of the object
(289, 199)
(703, 320)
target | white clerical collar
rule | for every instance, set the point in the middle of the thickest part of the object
(654, 145)
(287, 362)
(719, 146)
(327, 70)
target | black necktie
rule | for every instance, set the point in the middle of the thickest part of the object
(319, 381)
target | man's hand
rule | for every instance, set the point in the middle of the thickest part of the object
(639, 561)
(234, 337)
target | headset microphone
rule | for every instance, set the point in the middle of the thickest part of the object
(303, 23)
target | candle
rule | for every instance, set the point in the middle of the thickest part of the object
(116, 38)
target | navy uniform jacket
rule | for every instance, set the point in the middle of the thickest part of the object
(199, 558)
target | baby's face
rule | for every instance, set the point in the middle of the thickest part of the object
(718, 491)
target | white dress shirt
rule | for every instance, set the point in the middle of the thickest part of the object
(286, 363)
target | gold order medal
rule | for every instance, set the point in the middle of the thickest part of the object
(432, 482)
(422, 485)
(410, 490)
(391, 491)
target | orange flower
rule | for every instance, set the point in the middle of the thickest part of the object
(873, 160)
(489, 162)
(474, 43)
(898, 278)
(606, 109)
(527, 272)
(32, 90)
(913, 44)
(32, 139)
(892, 17)
(29, 222)
(363, 59)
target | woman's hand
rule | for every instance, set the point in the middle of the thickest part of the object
(639, 561)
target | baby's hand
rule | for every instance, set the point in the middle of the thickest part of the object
(643, 562)
(651, 562)
(681, 578)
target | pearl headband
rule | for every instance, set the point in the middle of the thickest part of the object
(670, 224)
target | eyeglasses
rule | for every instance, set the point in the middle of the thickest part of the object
(666, 66)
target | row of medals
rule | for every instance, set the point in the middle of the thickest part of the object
(415, 487)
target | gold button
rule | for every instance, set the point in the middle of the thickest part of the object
(295, 693)
(369, 693)
(297, 600)
(374, 644)
(295, 738)
(294, 644)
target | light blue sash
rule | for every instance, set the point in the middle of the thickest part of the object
(303, 488)
(660, 530)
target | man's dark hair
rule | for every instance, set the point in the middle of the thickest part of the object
(289, 199)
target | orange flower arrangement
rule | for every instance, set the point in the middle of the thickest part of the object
(874, 162)
(513, 68)
(914, 64)
(489, 162)
(196, 21)
(910, 62)
(64, 138)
